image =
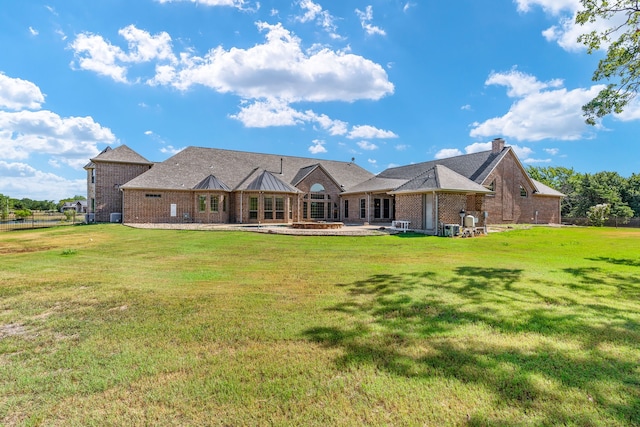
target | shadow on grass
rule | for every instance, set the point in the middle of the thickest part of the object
(482, 326)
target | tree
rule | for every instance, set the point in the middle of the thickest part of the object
(600, 188)
(621, 65)
(566, 181)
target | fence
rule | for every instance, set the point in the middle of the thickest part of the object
(611, 222)
(40, 220)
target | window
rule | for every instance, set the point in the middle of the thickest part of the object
(363, 208)
(290, 208)
(376, 208)
(202, 203)
(268, 208)
(153, 196)
(93, 176)
(253, 208)
(304, 210)
(317, 188)
(224, 204)
(316, 196)
(279, 207)
(386, 210)
(492, 186)
(346, 209)
(215, 201)
(317, 210)
(523, 191)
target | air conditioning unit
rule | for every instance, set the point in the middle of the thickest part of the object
(451, 230)
(115, 217)
(89, 218)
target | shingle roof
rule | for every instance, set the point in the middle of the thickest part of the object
(121, 154)
(475, 167)
(544, 190)
(438, 178)
(237, 169)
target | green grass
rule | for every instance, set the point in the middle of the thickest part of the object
(108, 325)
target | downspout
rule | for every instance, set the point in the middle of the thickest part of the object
(241, 206)
(369, 208)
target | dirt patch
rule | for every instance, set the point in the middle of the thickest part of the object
(12, 330)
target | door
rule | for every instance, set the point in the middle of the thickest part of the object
(428, 211)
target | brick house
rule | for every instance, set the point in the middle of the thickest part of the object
(209, 185)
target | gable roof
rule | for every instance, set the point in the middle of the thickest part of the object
(239, 168)
(440, 178)
(476, 166)
(121, 154)
(544, 190)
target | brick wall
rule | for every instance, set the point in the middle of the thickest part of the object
(508, 205)
(409, 207)
(108, 178)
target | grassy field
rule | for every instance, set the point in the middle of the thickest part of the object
(108, 325)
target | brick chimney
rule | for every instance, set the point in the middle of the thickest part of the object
(497, 145)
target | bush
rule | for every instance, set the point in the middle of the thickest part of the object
(598, 214)
(22, 213)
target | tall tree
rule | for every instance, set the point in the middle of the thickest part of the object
(602, 188)
(565, 180)
(621, 65)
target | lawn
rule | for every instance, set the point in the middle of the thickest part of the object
(108, 325)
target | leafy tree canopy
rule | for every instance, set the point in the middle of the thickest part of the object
(617, 31)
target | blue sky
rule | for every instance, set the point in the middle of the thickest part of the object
(386, 82)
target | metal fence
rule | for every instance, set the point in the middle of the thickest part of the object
(40, 220)
(611, 222)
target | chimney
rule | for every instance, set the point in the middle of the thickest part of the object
(497, 145)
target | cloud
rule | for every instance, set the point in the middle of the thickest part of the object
(566, 32)
(71, 140)
(33, 31)
(366, 145)
(631, 111)
(372, 161)
(279, 68)
(477, 147)
(370, 132)
(94, 53)
(402, 147)
(238, 4)
(552, 151)
(314, 12)
(317, 147)
(20, 180)
(541, 110)
(17, 94)
(447, 152)
(365, 21)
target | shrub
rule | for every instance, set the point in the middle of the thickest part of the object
(598, 214)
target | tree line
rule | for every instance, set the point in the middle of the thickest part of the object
(586, 192)
(9, 204)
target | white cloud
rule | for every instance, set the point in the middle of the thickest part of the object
(171, 150)
(552, 151)
(280, 69)
(16, 94)
(143, 47)
(522, 152)
(477, 147)
(540, 110)
(317, 147)
(631, 111)
(407, 6)
(239, 4)
(535, 161)
(270, 112)
(402, 147)
(365, 20)
(33, 31)
(20, 180)
(447, 152)
(370, 132)
(366, 145)
(314, 12)
(553, 7)
(70, 140)
(372, 161)
(95, 54)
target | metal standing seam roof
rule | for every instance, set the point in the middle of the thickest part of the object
(211, 183)
(266, 181)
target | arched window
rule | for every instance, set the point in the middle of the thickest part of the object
(523, 191)
(317, 188)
